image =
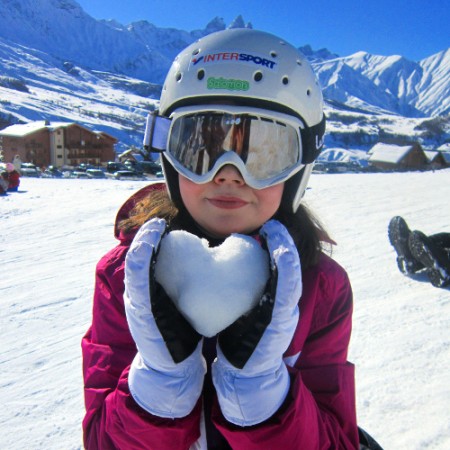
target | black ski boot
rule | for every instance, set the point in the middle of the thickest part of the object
(434, 259)
(398, 233)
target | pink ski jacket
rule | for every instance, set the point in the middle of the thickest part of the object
(319, 412)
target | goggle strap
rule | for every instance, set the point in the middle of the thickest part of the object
(312, 141)
(156, 132)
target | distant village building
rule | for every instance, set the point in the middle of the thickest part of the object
(444, 150)
(398, 157)
(57, 143)
(435, 159)
(446, 157)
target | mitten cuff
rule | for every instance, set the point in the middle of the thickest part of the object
(246, 401)
(168, 395)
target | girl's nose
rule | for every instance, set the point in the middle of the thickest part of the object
(229, 174)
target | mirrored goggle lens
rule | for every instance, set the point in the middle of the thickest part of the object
(268, 147)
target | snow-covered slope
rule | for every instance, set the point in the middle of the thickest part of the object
(34, 86)
(400, 342)
(418, 88)
(62, 29)
(343, 83)
(434, 90)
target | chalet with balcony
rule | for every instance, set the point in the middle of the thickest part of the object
(60, 144)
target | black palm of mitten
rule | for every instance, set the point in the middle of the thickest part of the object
(239, 340)
(249, 374)
(166, 376)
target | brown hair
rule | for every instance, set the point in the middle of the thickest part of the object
(156, 204)
(307, 232)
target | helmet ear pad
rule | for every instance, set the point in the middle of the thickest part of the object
(290, 191)
(294, 189)
(172, 183)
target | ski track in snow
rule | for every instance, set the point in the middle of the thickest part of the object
(54, 231)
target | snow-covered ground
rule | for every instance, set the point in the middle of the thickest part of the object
(54, 231)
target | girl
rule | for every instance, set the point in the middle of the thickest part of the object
(240, 124)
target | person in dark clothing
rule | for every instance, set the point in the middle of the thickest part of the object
(3, 183)
(13, 178)
(418, 252)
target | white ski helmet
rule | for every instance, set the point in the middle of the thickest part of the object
(249, 68)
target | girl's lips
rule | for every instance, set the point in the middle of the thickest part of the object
(227, 202)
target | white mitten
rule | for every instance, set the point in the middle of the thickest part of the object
(166, 376)
(249, 374)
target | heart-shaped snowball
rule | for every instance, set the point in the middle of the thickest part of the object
(212, 286)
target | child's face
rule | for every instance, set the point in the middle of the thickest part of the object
(227, 205)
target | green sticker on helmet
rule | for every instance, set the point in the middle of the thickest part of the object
(228, 84)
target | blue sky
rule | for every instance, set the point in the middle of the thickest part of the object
(412, 28)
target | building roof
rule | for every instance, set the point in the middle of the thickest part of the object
(389, 153)
(444, 147)
(432, 155)
(20, 130)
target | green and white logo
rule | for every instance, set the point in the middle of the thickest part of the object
(228, 84)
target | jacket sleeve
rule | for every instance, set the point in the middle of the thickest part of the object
(319, 412)
(113, 419)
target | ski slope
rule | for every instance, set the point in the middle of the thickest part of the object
(54, 231)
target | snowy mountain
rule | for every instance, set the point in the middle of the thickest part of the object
(62, 29)
(57, 62)
(418, 88)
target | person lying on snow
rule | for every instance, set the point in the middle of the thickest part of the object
(418, 252)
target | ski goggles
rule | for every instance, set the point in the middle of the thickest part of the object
(265, 146)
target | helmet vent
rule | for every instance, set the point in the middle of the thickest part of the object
(308, 92)
(285, 80)
(258, 76)
(299, 62)
(200, 74)
(273, 54)
(178, 76)
(196, 52)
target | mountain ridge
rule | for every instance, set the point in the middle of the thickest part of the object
(142, 50)
(57, 61)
